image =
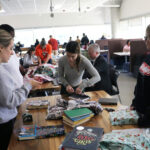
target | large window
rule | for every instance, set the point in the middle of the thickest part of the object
(28, 36)
(134, 28)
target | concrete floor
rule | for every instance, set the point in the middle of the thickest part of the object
(126, 83)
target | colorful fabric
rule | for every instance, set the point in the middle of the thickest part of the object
(122, 117)
(56, 111)
(130, 139)
(42, 73)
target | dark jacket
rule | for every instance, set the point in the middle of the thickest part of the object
(141, 102)
(84, 40)
(103, 69)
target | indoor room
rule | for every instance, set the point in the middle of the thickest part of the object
(74, 74)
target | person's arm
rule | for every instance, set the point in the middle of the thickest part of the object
(61, 66)
(39, 60)
(48, 57)
(38, 55)
(49, 49)
(95, 77)
(12, 98)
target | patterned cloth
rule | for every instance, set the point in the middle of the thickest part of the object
(42, 73)
(56, 112)
(129, 139)
(122, 117)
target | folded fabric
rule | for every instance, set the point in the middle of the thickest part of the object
(122, 117)
(128, 139)
(41, 73)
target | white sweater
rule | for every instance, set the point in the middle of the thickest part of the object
(11, 95)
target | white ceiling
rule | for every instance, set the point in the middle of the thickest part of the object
(17, 7)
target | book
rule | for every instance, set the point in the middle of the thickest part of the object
(83, 138)
(79, 96)
(79, 118)
(108, 101)
(75, 123)
(75, 113)
(29, 132)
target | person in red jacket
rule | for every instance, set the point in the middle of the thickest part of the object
(43, 52)
(53, 42)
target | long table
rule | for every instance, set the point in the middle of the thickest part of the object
(101, 120)
(47, 86)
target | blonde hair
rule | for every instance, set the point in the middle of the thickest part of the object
(5, 38)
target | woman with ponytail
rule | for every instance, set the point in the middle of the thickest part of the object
(71, 68)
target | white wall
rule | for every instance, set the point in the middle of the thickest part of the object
(134, 8)
(44, 20)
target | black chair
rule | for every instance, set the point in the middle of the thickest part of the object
(114, 74)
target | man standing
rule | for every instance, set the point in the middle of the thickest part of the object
(102, 67)
(84, 41)
(53, 42)
(43, 52)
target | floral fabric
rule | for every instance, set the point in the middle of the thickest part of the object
(122, 117)
(128, 139)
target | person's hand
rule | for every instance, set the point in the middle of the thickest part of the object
(40, 64)
(78, 91)
(69, 89)
(35, 84)
(132, 108)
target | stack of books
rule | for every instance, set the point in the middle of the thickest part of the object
(28, 132)
(82, 138)
(77, 116)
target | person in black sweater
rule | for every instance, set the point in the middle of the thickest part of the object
(84, 41)
(102, 67)
(141, 101)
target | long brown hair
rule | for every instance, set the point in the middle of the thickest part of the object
(74, 47)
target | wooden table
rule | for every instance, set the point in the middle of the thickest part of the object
(47, 86)
(25, 48)
(101, 120)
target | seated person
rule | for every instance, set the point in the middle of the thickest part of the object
(126, 48)
(43, 52)
(102, 67)
(29, 57)
(18, 46)
(71, 68)
(141, 101)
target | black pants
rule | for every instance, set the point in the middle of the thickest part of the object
(5, 133)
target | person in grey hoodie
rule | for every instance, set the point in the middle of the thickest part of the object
(10, 95)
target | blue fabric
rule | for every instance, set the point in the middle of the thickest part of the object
(122, 117)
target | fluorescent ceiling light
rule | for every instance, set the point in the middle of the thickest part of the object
(110, 5)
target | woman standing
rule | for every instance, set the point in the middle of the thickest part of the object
(11, 95)
(71, 68)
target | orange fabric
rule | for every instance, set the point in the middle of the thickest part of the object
(42, 53)
(54, 44)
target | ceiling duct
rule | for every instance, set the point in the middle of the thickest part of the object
(51, 9)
